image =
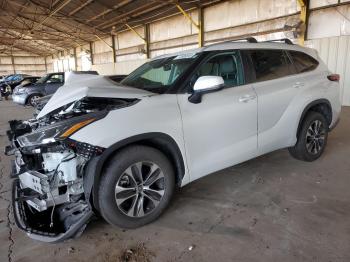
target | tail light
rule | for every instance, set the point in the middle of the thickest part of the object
(334, 77)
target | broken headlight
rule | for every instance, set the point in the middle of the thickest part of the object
(60, 130)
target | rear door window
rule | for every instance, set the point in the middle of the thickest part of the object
(271, 64)
(303, 62)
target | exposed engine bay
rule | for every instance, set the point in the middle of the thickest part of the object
(51, 198)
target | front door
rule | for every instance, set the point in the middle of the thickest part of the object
(221, 130)
(53, 83)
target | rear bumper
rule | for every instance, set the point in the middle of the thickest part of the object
(67, 224)
(19, 99)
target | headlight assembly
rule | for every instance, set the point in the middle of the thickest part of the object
(58, 131)
(20, 90)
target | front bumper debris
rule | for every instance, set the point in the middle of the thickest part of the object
(49, 197)
(69, 220)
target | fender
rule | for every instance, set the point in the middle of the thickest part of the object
(310, 105)
(161, 141)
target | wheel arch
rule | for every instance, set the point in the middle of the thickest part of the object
(161, 141)
(33, 94)
(322, 106)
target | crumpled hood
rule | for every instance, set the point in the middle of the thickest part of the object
(82, 86)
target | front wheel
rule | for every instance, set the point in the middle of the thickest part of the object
(33, 99)
(312, 138)
(136, 187)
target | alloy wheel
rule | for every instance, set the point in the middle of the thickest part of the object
(315, 137)
(33, 100)
(140, 189)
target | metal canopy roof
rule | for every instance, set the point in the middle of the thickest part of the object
(44, 27)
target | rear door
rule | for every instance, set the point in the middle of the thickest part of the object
(53, 83)
(276, 85)
(221, 130)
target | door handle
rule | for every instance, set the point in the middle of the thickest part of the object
(246, 98)
(298, 84)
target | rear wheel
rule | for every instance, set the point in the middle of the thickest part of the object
(312, 138)
(136, 187)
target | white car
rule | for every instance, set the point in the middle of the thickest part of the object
(120, 150)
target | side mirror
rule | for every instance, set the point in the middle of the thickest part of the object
(204, 85)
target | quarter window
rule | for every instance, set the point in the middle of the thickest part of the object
(270, 64)
(303, 62)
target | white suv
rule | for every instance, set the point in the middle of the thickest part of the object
(120, 150)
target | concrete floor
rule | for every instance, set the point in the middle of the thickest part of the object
(273, 208)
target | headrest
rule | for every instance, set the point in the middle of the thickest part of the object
(227, 65)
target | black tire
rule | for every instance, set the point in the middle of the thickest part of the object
(115, 172)
(30, 100)
(304, 149)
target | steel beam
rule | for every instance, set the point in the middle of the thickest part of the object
(32, 49)
(13, 64)
(91, 53)
(45, 64)
(101, 39)
(114, 50)
(76, 10)
(70, 36)
(147, 40)
(63, 4)
(75, 58)
(304, 17)
(201, 27)
(142, 9)
(187, 16)
(137, 33)
(198, 25)
(109, 10)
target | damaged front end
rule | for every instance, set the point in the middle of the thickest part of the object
(51, 197)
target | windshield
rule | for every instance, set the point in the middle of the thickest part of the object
(43, 79)
(159, 75)
(9, 78)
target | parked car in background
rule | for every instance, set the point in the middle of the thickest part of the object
(42, 101)
(14, 79)
(4, 78)
(7, 87)
(47, 85)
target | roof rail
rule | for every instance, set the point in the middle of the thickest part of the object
(285, 40)
(248, 39)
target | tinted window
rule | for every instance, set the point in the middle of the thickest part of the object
(16, 78)
(56, 79)
(270, 64)
(228, 66)
(303, 62)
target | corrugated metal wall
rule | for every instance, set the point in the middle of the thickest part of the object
(335, 52)
(31, 65)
